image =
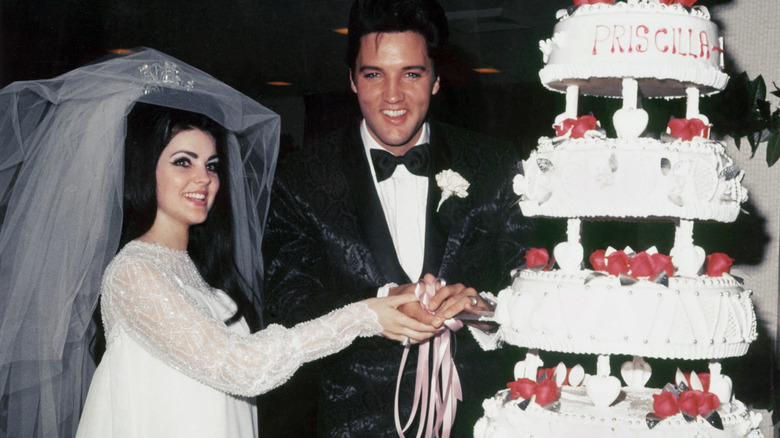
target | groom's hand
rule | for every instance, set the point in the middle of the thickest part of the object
(453, 299)
(449, 301)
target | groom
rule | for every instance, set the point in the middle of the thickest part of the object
(360, 214)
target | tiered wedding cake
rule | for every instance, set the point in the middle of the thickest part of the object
(684, 305)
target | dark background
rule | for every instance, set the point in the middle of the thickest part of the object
(248, 43)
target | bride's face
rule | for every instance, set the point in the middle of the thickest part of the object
(187, 180)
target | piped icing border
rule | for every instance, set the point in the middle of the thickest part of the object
(556, 77)
(663, 72)
(644, 6)
(602, 178)
(691, 318)
(504, 415)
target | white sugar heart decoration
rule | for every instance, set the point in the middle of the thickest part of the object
(720, 384)
(602, 390)
(688, 260)
(528, 368)
(568, 255)
(630, 123)
(722, 387)
(636, 372)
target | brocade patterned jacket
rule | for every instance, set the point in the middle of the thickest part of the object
(327, 244)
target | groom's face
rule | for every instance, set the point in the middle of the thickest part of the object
(394, 81)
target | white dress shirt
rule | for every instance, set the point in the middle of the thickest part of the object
(404, 198)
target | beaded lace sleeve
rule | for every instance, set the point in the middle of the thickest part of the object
(150, 304)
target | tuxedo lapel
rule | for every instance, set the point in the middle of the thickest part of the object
(371, 216)
(435, 232)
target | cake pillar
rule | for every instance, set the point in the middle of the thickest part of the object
(630, 121)
(572, 101)
(573, 227)
(692, 102)
(569, 254)
(528, 368)
(683, 233)
(687, 258)
(692, 110)
(630, 90)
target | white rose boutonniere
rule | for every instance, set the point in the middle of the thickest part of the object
(519, 185)
(451, 183)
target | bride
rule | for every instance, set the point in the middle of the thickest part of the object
(185, 200)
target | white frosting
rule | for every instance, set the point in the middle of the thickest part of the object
(637, 178)
(577, 417)
(692, 318)
(620, 50)
(666, 48)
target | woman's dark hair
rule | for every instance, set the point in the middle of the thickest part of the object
(425, 17)
(149, 130)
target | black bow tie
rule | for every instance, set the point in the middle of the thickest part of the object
(415, 159)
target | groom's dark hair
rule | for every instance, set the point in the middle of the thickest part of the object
(425, 17)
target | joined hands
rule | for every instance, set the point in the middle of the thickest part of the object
(398, 326)
(449, 301)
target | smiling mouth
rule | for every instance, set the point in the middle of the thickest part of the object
(394, 113)
(195, 196)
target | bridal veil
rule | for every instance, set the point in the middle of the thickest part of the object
(61, 165)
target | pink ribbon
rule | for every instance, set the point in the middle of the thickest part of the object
(444, 383)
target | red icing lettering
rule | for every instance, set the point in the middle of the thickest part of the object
(658, 44)
(641, 38)
(678, 42)
(690, 42)
(642, 41)
(620, 31)
(704, 43)
(599, 31)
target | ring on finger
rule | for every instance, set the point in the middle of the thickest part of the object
(474, 301)
(407, 342)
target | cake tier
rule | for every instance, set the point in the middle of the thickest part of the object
(692, 318)
(578, 417)
(631, 178)
(667, 48)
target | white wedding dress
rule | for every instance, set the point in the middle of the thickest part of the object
(172, 368)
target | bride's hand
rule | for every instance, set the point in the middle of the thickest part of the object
(396, 325)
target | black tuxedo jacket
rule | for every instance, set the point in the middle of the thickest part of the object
(327, 244)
